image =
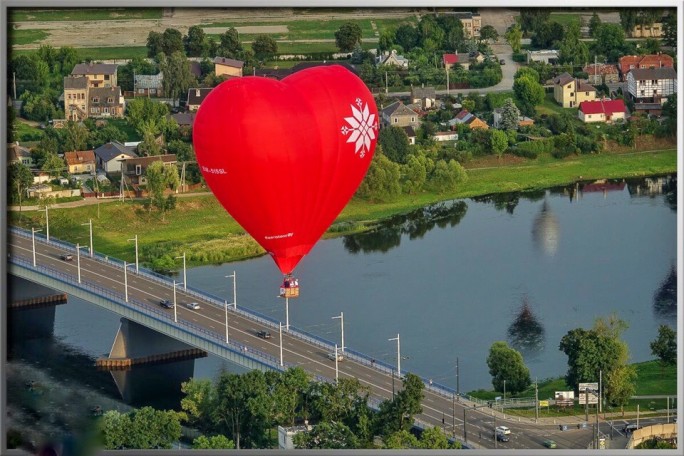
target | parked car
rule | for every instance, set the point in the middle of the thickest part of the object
(340, 356)
(503, 430)
(67, 257)
(548, 443)
(502, 62)
(193, 306)
(166, 303)
(264, 334)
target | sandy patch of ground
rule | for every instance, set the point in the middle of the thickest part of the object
(266, 29)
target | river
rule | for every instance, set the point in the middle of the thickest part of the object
(453, 278)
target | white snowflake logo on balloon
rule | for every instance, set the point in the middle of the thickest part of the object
(362, 127)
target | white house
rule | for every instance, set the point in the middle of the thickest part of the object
(110, 155)
(651, 84)
(601, 111)
(392, 58)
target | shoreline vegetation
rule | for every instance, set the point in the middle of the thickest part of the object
(219, 239)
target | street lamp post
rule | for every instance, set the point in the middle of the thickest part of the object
(233, 275)
(47, 223)
(136, 252)
(280, 326)
(337, 372)
(90, 222)
(78, 261)
(398, 354)
(287, 313)
(175, 311)
(125, 265)
(33, 240)
(185, 278)
(341, 317)
(503, 404)
(458, 378)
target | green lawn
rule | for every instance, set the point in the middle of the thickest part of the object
(24, 132)
(82, 14)
(299, 30)
(26, 36)
(565, 19)
(550, 106)
(98, 53)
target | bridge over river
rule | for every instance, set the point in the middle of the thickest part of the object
(230, 332)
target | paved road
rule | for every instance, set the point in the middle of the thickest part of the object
(438, 410)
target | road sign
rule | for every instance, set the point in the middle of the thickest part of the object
(589, 390)
(543, 403)
(565, 398)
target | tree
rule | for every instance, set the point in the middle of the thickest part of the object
(348, 36)
(172, 41)
(488, 32)
(395, 143)
(159, 178)
(195, 42)
(670, 111)
(509, 115)
(529, 93)
(547, 34)
(382, 179)
(230, 45)
(155, 44)
(670, 30)
(434, 438)
(402, 439)
(533, 18)
(53, 165)
(514, 37)
(199, 399)
(610, 41)
(414, 175)
(506, 364)
(665, 346)
(115, 428)
(264, 47)
(326, 435)
(498, 141)
(594, 24)
(215, 442)
(143, 113)
(19, 179)
(571, 49)
(628, 19)
(177, 75)
(406, 36)
(144, 428)
(76, 136)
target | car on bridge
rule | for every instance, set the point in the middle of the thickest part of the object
(193, 306)
(340, 356)
(503, 430)
(166, 304)
(548, 443)
(502, 437)
(67, 257)
(264, 334)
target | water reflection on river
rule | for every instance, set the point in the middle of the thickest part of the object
(453, 278)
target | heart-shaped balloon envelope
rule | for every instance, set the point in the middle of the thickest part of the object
(284, 157)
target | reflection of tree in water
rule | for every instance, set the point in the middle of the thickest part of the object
(415, 224)
(655, 186)
(545, 230)
(665, 297)
(509, 201)
(526, 334)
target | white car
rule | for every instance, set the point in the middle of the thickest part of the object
(193, 306)
(503, 430)
(340, 357)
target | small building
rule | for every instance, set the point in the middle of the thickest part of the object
(601, 73)
(399, 115)
(230, 67)
(80, 161)
(425, 96)
(184, 121)
(148, 85)
(570, 92)
(606, 111)
(109, 156)
(393, 59)
(523, 121)
(410, 133)
(643, 62)
(196, 96)
(135, 169)
(97, 74)
(651, 85)
(285, 435)
(449, 60)
(549, 56)
(472, 22)
(445, 136)
(106, 102)
(19, 154)
(469, 119)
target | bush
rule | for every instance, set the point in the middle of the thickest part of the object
(519, 57)
(532, 149)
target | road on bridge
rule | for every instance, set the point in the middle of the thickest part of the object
(440, 408)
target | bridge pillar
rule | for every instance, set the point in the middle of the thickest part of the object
(31, 309)
(146, 364)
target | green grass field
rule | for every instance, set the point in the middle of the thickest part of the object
(26, 36)
(82, 14)
(24, 132)
(99, 53)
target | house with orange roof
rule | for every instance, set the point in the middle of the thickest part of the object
(80, 161)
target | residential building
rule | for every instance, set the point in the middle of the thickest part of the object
(230, 67)
(472, 22)
(135, 169)
(654, 30)
(106, 102)
(399, 115)
(425, 96)
(411, 134)
(196, 96)
(632, 62)
(110, 155)
(570, 92)
(469, 119)
(148, 85)
(285, 435)
(523, 121)
(19, 154)
(184, 121)
(602, 111)
(445, 136)
(75, 98)
(449, 60)
(97, 74)
(393, 59)
(549, 56)
(651, 85)
(80, 161)
(602, 73)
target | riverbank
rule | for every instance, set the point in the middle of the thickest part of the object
(200, 227)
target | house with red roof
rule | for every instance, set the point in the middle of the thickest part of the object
(449, 60)
(643, 62)
(601, 111)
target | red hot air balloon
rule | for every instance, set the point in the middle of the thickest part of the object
(284, 157)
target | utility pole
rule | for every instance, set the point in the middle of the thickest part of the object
(136, 252)
(280, 325)
(536, 400)
(465, 432)
(453, 417)
(398, 354)
(126, 280)
(14, 77)
(458, 378)
(341, 318)
(386, 86)
(446, 67)
(185, 278)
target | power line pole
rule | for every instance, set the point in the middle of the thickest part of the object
(536, 401)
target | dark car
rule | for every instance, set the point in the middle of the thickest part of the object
(166, 303)
(502, 437)
(264, 334)
(502, 62)
(631, 428)
(67, 257)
